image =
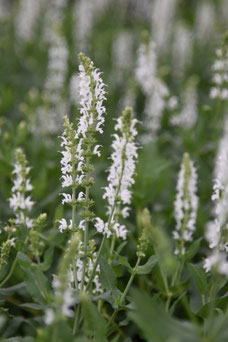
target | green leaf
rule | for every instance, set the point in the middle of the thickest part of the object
(108, 278)
(120, 247)
(94, 323)
(5, 292)
(19, 339)
(32, 306)
(48, 258)
(148, 266)
(123, 260)
(200, 277)
(37, 284)
(156, 324)
(219, 303)
(24, 261)
(193, 249)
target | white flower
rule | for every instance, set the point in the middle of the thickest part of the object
(68, 302)
(63, 225)
(19, 201)
(189, 113)
(87, 97)
(67, 198)
(122, 170)
(216, 231)
(50, 116)
(27, 18)
(146, 67)
(120, 230)
(186, 203)
(49, 316)
(220, 77)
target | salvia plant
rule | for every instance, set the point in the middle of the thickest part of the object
(114, 182)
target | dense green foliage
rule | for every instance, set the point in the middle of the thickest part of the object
(170, 298)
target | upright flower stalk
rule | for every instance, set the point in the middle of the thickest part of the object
(121, 172)
(219, 89)
(20, 201)
(80, 146)
(217, 231)
(186, 205)
(155, 90)
(120, 179)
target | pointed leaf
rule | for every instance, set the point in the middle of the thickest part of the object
(200, 278)
(148, 266)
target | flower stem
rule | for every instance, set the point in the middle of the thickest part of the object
(125, 292)
(10, 272)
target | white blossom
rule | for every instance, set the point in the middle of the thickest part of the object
(64, 225)
(87, 96)
(186, 203)
(219, 89)
(20, 201)
(204, 22)
(182, 50)
(189, 113)
(121, 172)
(155, 105)
(146, 67)
(122, 55)
(26, 18)
(217, 230)
(50, 115)
(49, 316)
(162, 23)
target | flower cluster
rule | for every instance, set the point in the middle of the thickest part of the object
(155, 90)
(186, 204)
(146, 67)
(182, 50)
(217, 230)
(220, 76)
(188, 115)
(80, 144)
(91, 257)
(50, 115)
(120, 177)
(155, 105)
(20, 202)
(5, 250)
(26, 18)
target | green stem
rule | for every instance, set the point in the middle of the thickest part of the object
(76, 320)
(96, 262)
(10, 272)
(125, 292)
(112, 247)
(129, 282)
(86, 226)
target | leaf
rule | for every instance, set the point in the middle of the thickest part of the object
(123, 260)
(19, 339)
(199, 277)
(156, 324)
(148, 266)
(93, 321)
(120, 247)
(104, 296)
(220, 303)
(48, 258)
(108, 278)
(193, 249)
(5, 292)
(24, 261)
(37, 284)
(32, 306)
